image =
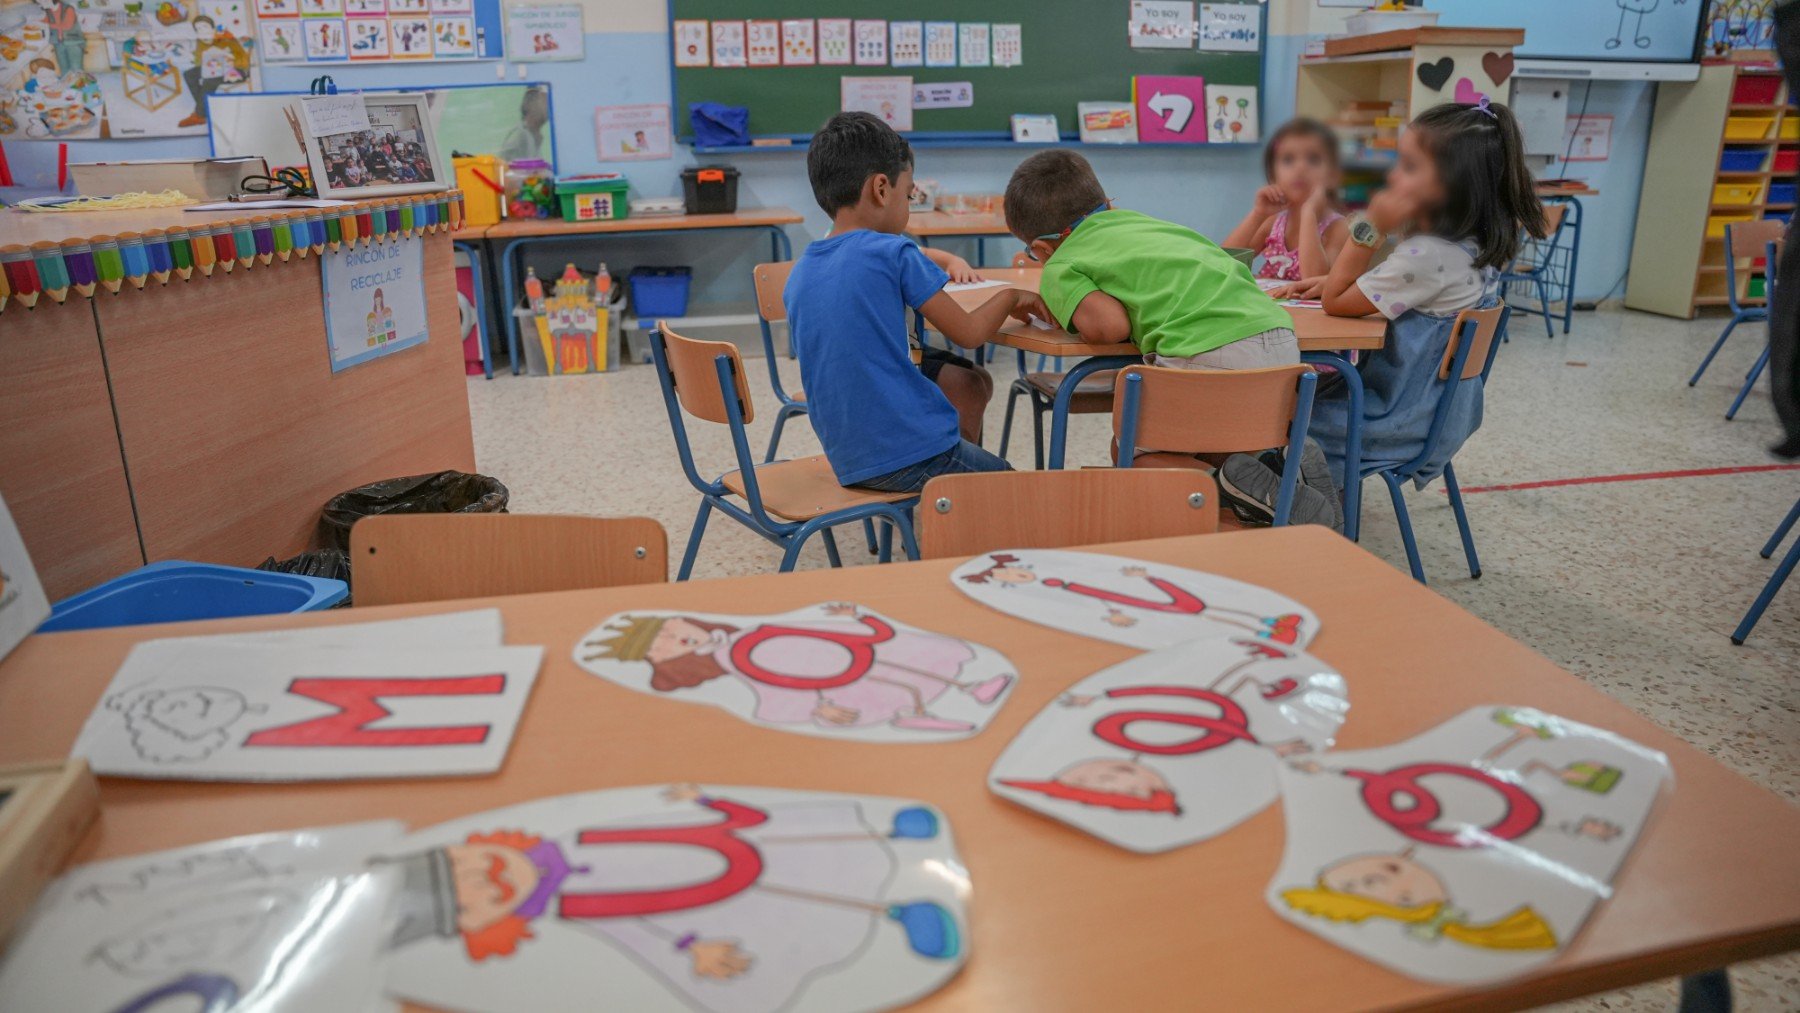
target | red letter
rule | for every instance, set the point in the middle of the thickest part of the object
(743, 866)
(1231, 725)
(860, 645)
(1181, 600)
(356, 700)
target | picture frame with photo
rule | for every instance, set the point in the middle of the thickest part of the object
(396, 154)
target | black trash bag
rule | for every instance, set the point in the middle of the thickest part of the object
(446, 492)
(330, 563)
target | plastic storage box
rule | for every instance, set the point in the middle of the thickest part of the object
(659, 292)
(1781, 193)
(1748, 128)
(1755, 89)
(710, 190)
(1736, 193)
(1787, 162)
(1790, 128)
(593, 197)
(1742, 160)
(1715, 226)
(479, 178)
(174, 591)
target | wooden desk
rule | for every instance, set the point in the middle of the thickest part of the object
(1061, 921)
(518, 234)
(927, 225)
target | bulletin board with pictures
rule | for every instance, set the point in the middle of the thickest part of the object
(795, 63)
(358, 31)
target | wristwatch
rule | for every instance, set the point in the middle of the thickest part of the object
(1364, 233)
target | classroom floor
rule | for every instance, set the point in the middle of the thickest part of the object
(1632, 585)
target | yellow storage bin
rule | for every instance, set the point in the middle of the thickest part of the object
(1737, 193)
(478, 177)
(1790, 127)
(1715, 226)
(1748, 128)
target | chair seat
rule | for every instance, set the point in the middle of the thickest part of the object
(1165, 459)
(806, 488)
(1093, 395)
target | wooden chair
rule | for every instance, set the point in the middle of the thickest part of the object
(1771, 257)
(1093, 396)
(771, 308)
(1469, 356)
(1533, 263)
(786, 502)
(400, 558)
(1743, 240)
(1182, 412)
(966, 515)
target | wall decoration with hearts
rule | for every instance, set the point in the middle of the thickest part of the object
(1436, 74)
(1499, 66)
(1461, 74)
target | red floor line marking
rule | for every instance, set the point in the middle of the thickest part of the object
(1642, 476)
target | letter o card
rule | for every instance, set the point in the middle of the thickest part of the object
(1129, 601)
(735, 900)
(837, 670)
(1173, 746)
(1471, 853)
(190, 708)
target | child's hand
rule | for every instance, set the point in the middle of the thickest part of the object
(1269, 200)
(1305, 288)
(1316, 202)
(960, 272)
(1389, 210)
(1029, 304)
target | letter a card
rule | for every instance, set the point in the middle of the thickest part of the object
(196, 708)
(1471, 853)
(1129, 601)
(1173, 746)
(747, 900)
(836, 670)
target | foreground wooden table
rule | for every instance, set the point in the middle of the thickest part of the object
(1061, 921)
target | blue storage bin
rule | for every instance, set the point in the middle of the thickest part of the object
(1742, 160)
(1781, 193)
(174, 591)
(658, 292)
(1784, 217)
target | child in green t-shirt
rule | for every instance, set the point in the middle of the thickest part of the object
(1124, 276)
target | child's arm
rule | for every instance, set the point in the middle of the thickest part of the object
(1319, 248)
(1101, 319)
(971, 328)
(1253, 231)
(957, 268)
(1342, 297)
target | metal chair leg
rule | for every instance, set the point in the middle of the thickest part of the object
(1406, 531)
(796, 542)
(1730, 325)
(887, 542)
(781, 418)
(1012, 401)
(1781, 533)
(869, 535)
(1037, 431)
(1776, 579)
(1706, 992)
(1462, 522)
(1762, 363)
(693, 545)
(831, 549)
(1544, 302)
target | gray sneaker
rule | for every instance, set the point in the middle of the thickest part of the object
(1249, 487)
(1315, 473)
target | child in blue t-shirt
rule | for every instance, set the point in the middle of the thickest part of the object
(883, 424)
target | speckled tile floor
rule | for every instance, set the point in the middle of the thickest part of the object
(1632, 585)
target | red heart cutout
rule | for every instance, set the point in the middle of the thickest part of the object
(1499, 66)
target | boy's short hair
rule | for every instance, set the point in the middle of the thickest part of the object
(1048, 191)
(846, 151)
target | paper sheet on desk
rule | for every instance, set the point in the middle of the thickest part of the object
(233, 205)
(970, 286)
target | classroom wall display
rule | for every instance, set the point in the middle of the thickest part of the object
(1170, 109)
(1471, 853)
(23, 604)
(538, 33)
(1659, 30)
(374, 301)
(833, 670)
(1174, 746)
(887, 97)
(1129, 601)
(1161, 24)
(1108, 123)
(1231, 114)
(1738, 24)
(297, 914)
(634, 133)
(944, 95)
(353, 31)
(682, 896)
(85, 69)
(1230, 27)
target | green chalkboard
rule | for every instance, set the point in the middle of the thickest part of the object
(1074, 51)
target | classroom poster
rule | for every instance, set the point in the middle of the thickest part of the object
(1162, 24)
(543, 33)
(374, 301)
(692, 44)
(890, 98)
(1231, 114)
(358, 31)
(1169, 109)
(22, 602)
(634, 133)
(1588, 138)
(1229, 28)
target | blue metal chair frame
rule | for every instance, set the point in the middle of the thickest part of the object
(1549, 267)
(1397, 476)
(789, 407)
(479, 280)
(1131, 393)
(1739, 314)
(1776, 579)
(790, 535)
(1771, 252)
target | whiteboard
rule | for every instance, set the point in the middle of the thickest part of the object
(1588, 29)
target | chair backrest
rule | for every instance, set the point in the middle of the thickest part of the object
(397, 558)
(1554, 213)
(966, 515)
(1480, 328)
(771, 287)
(1194, 411)
(1747, 239)
(694, 373)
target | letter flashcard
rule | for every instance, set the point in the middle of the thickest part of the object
(682, 897)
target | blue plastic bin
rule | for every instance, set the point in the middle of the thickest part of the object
(1781, 193)
(1784, 217)
(1742, 160)
(658, 292)
(174, 591)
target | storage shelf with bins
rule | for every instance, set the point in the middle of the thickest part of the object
(1678, 255)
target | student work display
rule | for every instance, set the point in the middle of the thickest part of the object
(1064, 52)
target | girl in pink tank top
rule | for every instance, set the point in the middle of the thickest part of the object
(1294, 223)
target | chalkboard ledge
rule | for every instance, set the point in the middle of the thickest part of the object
(953, 140)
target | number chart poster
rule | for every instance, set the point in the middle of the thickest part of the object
(357, 31)
(374, 301)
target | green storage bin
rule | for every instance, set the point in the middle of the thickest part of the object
(593, 197)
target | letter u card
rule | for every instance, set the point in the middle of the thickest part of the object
(284, 921)
(835, 670)
(1471, 853)
(188, 708)
(1130, 602)
(1173, 746)
(747, 900)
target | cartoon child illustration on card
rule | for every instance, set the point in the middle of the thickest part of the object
(1174, 746)
(834, 670)
(1130, 602)
(735, 899)
(1471, 853)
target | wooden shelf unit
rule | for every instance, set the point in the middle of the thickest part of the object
(1676, 268)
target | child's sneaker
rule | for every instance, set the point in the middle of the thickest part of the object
(1250, 486)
